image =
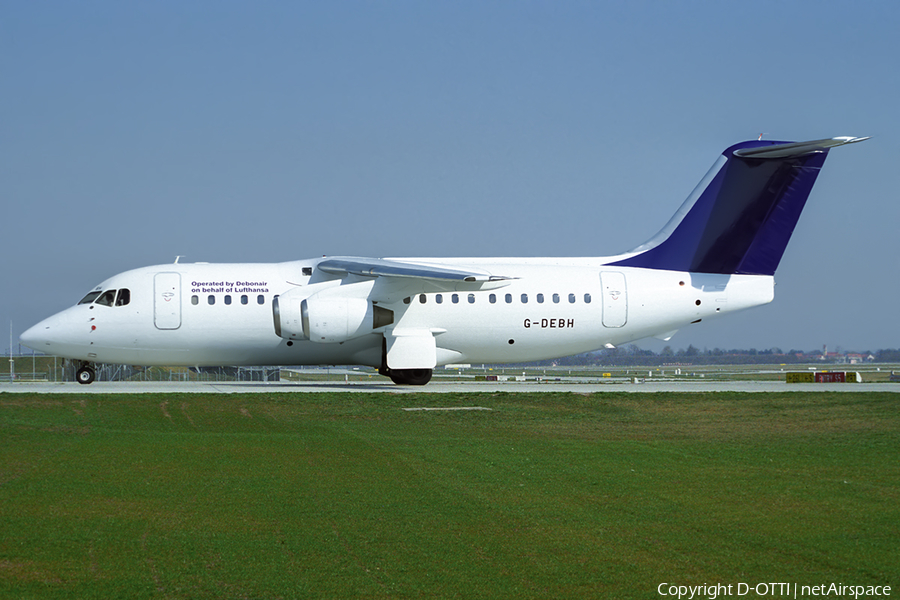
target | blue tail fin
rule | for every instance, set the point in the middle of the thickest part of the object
(742, 214)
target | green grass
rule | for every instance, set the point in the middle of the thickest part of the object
(345, 495)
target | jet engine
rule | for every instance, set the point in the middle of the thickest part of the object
(328, 318)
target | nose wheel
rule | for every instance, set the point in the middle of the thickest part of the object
(85, 375)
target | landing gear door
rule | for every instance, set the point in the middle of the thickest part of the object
(411, 349)
(167, 300)
(615, 299)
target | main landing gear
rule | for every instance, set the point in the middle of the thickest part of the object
(402, 376)
(85, 374)
(410, 376)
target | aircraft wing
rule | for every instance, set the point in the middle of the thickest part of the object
(379, 267)
(395, 279)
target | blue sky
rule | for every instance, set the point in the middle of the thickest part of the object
(271, 131)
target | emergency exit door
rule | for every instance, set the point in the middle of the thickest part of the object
(167, 300)
(615, 299)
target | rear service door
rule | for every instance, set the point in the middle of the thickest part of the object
(615, 300)
(167, 300)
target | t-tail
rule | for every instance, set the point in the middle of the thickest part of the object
(739, 218)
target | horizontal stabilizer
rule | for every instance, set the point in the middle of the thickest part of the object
(797, 148)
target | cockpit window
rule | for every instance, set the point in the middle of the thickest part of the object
(106, 298)
(124, 297)
(90, 298)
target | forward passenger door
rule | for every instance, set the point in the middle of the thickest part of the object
(167, 300)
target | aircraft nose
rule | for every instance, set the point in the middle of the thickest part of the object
(49, 331)
(36, 337)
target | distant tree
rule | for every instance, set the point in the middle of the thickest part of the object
(667, 351)
(887, 355)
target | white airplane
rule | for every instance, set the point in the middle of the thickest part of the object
(717, 255)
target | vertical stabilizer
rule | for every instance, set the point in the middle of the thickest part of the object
(741, 216)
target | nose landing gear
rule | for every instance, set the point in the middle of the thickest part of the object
(85, 374)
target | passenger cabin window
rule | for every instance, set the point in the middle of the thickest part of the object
(471, 298)
(90, 298)
(540, 298)
(195, 300)
(211, 299)
(106, 298)
(587, 298)
(454, 298)
(508, 298)
(493, 298)
(227, 299)
(555, 298)
(524, 298)
(260, 299)
(571, 298)
(439, 298)
(244, 299)
(422, 298)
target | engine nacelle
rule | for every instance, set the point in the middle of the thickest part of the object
(286, 312)
(327, 318)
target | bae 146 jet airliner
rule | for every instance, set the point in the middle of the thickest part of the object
(406, 316)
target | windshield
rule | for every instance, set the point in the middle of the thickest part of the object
(90, 297)
(108, 297)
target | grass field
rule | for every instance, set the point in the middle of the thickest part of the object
(346, 495)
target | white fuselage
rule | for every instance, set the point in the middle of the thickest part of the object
(222, 314)
(717, 254)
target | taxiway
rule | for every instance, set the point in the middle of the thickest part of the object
(438, 387)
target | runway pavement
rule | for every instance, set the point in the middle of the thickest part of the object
(439, 387)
